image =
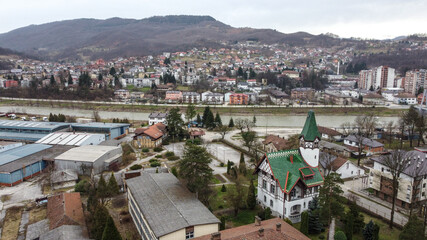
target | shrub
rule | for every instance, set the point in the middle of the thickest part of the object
(155, 164)
(165, 142)
(173, 158)
(321, 236)
(135, 167)
(267, 213)
(340, 236)
(159, 156)
(152, 160)
(221, 164)
(169, 154)
(288, 221)
(261, 213)
(174, 171)
(223, 188)
(145, 150)
(157, 149)
(82, 186)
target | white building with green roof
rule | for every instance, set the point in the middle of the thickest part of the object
(289, 179)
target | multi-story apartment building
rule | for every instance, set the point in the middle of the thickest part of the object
(414, 80)
(212, 98)
(239, 99)
(380, 77)
(412, 185)
(288, 180)
(302, 93)
(190, 97)
(173, 96)
(157, 117)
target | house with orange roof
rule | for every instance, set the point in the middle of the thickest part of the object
(288, 180)
(150, 137)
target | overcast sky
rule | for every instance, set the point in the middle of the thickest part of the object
(378, 19)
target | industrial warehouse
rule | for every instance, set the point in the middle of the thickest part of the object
(27, 148)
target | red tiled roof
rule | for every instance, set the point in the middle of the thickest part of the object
(65, 209)
(328, 131)
(250, 232)
(278, 142)
(338, 162)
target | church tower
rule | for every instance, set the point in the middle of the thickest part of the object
(309, 141)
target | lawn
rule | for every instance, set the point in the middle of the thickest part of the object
(218, 201)
(37, 214)
(243, 217)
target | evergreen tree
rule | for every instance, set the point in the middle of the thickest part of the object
(52, 80)
(175, 123)
(70, 79)
(223, 188)
(84, 80)
(240, 71)
(218, 121)
(110, 231)
(51, 118)
(199, 120)
(100, 77)
(349, 222)
(206, 115)
(112, 71)
(228, 166)
(102, 189)
(251, 199)
(231, 123)
(99, 220)
(254, 120)
(329, 195)
(304, 223)
(113, 187)
(314, 224)
(358, 219)
(222, 224)
(190, 112)
(370, 232)
(242, 164)
(413, 229)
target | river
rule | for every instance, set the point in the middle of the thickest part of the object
(332, 121)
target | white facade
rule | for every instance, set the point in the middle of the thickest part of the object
(310, 152)
(212, 98)
(348, 170)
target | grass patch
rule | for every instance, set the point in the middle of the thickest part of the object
(5, 198)
(37, 214)
(218, 201)
(244, 217)
(11, 223)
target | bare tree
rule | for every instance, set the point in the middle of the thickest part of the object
(420, 127)
(410, 118)
(96, 116)
(418, 170)
(397, 162)
(328, 160)
(223, 130)
(389, 128)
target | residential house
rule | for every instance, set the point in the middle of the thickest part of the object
(251, 82)
(239, 99)
(212, 98)
(368, 144)
(196, 133)
(302, 94)
(335, 148)
(289, 179)
(190, 97)
(162, 208)
(412, 181)
(275, 228)
(252, 96)
(342, 166)
(329, 134)
(274, 143)
(173, 96)
(406, 99)
(150, 137)
(278, 97)
(337, 98)
(122, 94)
(157, 117)
(373, 99)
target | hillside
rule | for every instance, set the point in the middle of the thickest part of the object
(92, 38)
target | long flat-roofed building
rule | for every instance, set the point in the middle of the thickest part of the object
(29, 131)
(26, 161)
(163, 209)
(72, 139)
(84, 158)
(110, 130)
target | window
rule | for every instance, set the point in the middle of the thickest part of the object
(347, 165)
(304, 204)
(271, 203)
(403, 204)
(316, 189)
(264, 184)
(189, 232)
(424, 193)
(382, 169)
(351, 172)
(424, 185)
(293, 193)
(265, 199)
(272, 188)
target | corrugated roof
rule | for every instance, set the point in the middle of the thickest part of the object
(100, 125)
(21, 136)
(87, 153)
(286, 166)
(31, 125)
(20, 152)
(166, 204)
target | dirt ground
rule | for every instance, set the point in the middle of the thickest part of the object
(120, 213)
(11, 223)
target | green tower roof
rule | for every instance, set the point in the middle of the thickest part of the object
(310, 131)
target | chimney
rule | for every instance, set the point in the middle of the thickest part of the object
(261, 232)
(257, 221)
(216, 236)
(278, 227)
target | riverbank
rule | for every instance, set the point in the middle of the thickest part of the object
(249, 110)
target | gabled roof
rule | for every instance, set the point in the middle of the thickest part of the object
(65, 209)
(329, 131)
(278, 142)
(286, 166)
(365, 141)
(310, 131)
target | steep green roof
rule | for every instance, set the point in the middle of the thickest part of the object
(310, 131)
(288, 170)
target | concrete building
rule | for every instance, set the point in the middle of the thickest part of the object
(302, 94)
(412, 181)
(373, 99)
(72, 139)
(84, 158)
(212, 98)
(157, 117)
(337, 98)
(278, 97)
(239, 99)
(21, 163)
(190, 97)
(406, 99)
(288, 180)
(173, 96)
(414, 80)
(340, 165)
(163, 209)
(380, 77)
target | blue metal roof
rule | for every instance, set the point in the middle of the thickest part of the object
(100, 125)
(20, 152)
(21, 136)
(50, 126)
